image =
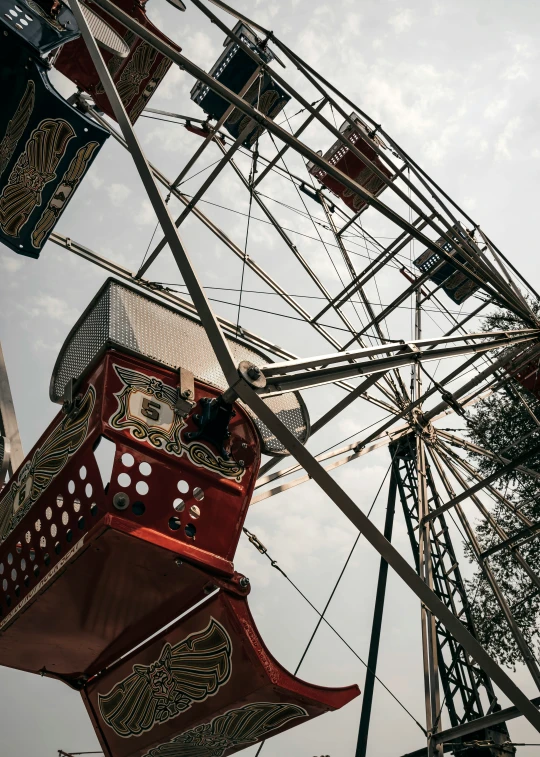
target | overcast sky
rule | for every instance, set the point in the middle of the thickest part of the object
(456, 84)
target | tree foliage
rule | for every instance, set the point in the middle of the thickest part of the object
(506, 423)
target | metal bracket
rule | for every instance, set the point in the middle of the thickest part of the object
(186, 393)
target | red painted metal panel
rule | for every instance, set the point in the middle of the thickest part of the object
(82, 581)
(136, 77)
(205, 685)
(341, 157)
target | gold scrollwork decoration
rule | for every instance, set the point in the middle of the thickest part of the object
(163, 429)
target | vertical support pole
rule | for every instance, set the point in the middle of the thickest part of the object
(369, 684)
(9, 429)
(429, 631)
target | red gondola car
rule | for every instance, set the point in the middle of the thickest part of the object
(137, 71)
(525, 369)
(340, 156)
(97, 560)
(91, 562)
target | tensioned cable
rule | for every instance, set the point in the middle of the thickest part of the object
(305, 297)
(153, 234)
(278, 315)
(262, 550)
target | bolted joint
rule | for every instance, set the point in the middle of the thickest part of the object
(244, 582)
(252, 374)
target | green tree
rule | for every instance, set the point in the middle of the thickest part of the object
(506, 423)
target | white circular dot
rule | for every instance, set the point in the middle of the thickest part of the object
(82, 473)
(71, 487)
(4, 585)
(88, 490)
(60, 500)
(142, 487)
(65, 518)
(128, 460)
(23, 564)
(76, 505)
(27, 537)
(13, 575)
(43, 542)
(179, 505)
(38, 525)
(10, 559)
(183, 487)
(124, 480)
(48, 513)
(194, 511)
(54, 530)
(145, 469)
(1, 568)
(198, 493)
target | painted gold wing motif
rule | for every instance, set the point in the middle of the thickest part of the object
(235, 729)
(136, 71)
(17, 125)
(148, 384)
(187, 672)
(49, 459)
(35, 167)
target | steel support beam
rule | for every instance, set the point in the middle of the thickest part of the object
(469, 248)
(286, 137)
(11, 454)
(280, 376)
(508, 468)
(373, 655)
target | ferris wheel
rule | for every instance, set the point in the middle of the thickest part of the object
(394, 312)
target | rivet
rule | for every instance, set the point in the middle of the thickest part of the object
(121, 501)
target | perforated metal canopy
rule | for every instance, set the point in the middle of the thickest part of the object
(126, 319)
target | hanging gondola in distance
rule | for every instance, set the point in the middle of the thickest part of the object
(46, 145)
(341, 157)
(235, 68)
(136, 68)
(453, 281)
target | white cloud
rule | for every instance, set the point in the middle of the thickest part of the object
(93, 179)
(536, 153)
(494, 108)
(402, 20)
(51, 307)
(10, 263)
(146, 215)
(505, 138)
(118, 193)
